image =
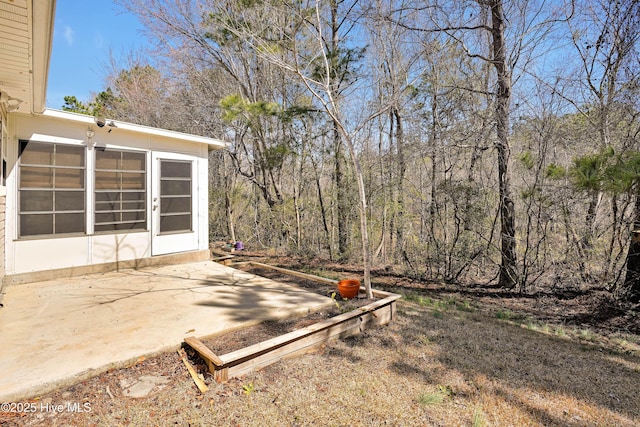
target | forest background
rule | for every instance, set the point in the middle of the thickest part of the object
(464, 141)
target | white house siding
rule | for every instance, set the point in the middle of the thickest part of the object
(2, 233)
(25, 255)
(3, 194)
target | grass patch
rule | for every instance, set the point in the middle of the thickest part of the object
(626, 345)
(504, 314)
(530, 324)
(425, 340)
(437, 314)
(440, 306)
(418, 299)
(587, 335)
(434, 398)
(479, 418)
(446, 390)
(465, 306)
(560, 331)
(248, 388)
(442, 393)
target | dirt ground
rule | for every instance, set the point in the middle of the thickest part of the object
(456, 355)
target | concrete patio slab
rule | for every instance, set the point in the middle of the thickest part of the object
(60, 331)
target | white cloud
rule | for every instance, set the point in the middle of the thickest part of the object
(68, 35)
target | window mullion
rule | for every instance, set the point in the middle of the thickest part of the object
(90, 191)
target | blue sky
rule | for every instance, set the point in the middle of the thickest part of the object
(84, 33)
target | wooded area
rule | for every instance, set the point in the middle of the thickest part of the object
(463, 141)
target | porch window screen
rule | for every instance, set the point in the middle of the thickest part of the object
(175, 196)
(120, 191)
(51, 183)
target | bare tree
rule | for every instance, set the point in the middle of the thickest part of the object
(397, 61)
(309, 57)
(511, 40)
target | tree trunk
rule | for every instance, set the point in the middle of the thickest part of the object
(341, 201)
(402, 168)
(364, 228)
(386, 237)
(614, 235)
(589, 219)
(631, 286)
(323, 211)
(434, 150)
(341, 195)
(296, 204)
(508, 268)
(227, 201)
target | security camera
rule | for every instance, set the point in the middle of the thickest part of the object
(100, 121)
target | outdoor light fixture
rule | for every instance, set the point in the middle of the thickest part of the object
(12, 107)
(100, 121)
(10, 103)
(90, 134)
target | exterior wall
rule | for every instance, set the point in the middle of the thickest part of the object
(37, 254)
(3, 194)
(2, 234)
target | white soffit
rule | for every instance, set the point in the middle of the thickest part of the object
(115, 124)
(26, 33)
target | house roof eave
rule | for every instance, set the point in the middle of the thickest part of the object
(26, 31)
(212, 143)
(42, 39)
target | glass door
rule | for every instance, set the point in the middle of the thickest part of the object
(173, 204)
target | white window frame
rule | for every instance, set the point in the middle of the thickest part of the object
(53, 210)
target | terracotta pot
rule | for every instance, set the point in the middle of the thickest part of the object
(348, 288)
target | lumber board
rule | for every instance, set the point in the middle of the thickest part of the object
(221, 253)
(305, 344)
(383, 294)
(221, 375)
(301, 341)
(203, 350)
(310, 343)
(222, 258)
(194, 375)
(293, 273)
(302, 346)
(381, 316)
(376, 293)
(269, 344)
(322, 330)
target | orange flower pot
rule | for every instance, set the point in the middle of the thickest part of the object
(348, 288)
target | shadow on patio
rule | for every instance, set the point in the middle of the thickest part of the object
(59, 331)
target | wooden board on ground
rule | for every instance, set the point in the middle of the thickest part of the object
(297, 342)
(199, 383)
(291, 272)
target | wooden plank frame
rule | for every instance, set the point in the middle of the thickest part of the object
(298, 342)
